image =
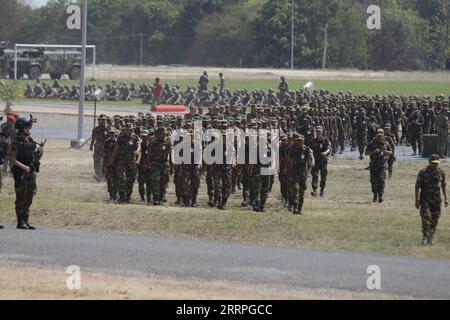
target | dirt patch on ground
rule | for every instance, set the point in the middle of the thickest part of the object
(31, 282)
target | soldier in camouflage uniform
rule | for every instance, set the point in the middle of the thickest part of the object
(379, 151)
(99, 136)
(260, 181)
(430, 182)
(301, 159)
(109, 171)
(321, 148)
(191, 172)
(25, 157)
(282, 175)
(159, 162)
(142, 171)
(127, 154)
(390, 138)
(222, 176)
(415, 123)
(361, 126)
(442, 127)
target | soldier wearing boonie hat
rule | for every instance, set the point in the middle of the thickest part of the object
(431, 181)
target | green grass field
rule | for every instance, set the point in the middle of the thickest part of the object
(345, 219)
(370, 87)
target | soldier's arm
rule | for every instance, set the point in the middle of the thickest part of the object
(418, 190)
(311, 160)
(444, 189)
(91, 147)
(113, 155)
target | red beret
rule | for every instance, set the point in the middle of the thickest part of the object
(11, 118)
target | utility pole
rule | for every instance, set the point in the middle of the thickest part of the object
(292, 35)
(141, 47)
(82, 75)
(325, 45)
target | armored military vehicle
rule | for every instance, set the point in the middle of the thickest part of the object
(36, 61)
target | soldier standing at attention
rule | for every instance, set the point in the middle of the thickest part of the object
(142, 171)
(442, 131)
(109, 172)
(159, 162)
(390, 138)
(430, 182)
(222, 175)
(203, 82)
(321, 148)
(379, 151)
(191, 172)
(25, 157)
(99, 136)
(127, 153)
(222, 83)
(301, 158)
(361, 127)
(283, 87)
(415, 122)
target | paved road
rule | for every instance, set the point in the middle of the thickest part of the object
(187, 259)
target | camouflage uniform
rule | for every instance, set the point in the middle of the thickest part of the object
(430, 181)
(319, 146)
(415, 122)
(142, 174)
(110, 171)
(126, 165)
(101, 134)
(222, 181)
(442, 131)
(298, 171)
(159, 168)
(378, 167)
(190, 180)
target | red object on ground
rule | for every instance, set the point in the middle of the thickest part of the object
(170, 108)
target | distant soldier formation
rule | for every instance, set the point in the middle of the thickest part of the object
(312, 127)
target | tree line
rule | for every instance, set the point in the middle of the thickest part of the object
(414, 34)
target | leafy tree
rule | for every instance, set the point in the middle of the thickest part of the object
(9, 92)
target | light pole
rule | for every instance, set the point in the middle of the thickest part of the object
(82, 75)
(292, 35)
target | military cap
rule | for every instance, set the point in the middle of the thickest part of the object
(103, 117)
(297, 136)
(435, 159)
(128, 126)
(144, 133)
(112, 129)
(160, 130)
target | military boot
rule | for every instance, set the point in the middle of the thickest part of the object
(322, 192)
(291, 204)
(424, 241)
(156, 200)
(314, 193)
(122, 198)
(263, 205)
(211, 201)
(194, 202)
(380, 198)
(25, 219)
(375, 197)
(142, 196)
(256, 206)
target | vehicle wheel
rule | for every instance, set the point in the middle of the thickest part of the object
(55, 76)
(34, 73)
(75, 73)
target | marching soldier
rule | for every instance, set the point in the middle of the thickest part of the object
(99, 136)
(109, 171)
(430, 182)
(379, 151)
(301, 159)
(321, 148)
(127, 153)
(159, 161)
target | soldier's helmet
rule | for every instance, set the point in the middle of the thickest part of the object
(22, 123)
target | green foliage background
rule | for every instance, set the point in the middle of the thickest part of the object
(256, 33)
